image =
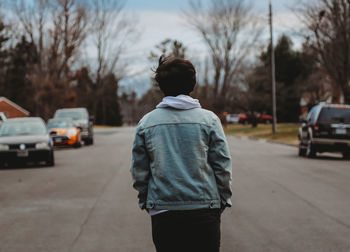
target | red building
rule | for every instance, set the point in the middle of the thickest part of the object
(11, 109)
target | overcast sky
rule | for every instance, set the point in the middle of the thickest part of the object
(161, 19)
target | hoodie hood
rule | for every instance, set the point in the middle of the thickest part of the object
(179, 102)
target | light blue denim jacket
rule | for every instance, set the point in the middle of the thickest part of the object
(181, 161)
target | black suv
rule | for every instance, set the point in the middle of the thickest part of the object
(326, 129)
(81, 118)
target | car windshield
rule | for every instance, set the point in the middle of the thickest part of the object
(334, 115)
(22, 128)
(75, 115)
(59, 124)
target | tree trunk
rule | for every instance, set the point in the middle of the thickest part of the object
(346, 93)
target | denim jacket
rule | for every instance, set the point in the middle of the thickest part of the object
(181, 161)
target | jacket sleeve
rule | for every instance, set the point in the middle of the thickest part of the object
(140, 167)
(220, 160)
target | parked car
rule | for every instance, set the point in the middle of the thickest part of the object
(237, 118)
(25, 139)
(326, 129)
(81, 118)
(267, 119)
(64, 132)
(3, 117)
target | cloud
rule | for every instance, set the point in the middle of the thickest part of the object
(159, 25)
(156, 26)
(287, 21)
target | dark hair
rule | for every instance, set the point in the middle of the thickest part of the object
(175, 76)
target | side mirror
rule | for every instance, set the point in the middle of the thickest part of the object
(91, 118)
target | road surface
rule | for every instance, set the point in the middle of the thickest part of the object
(86, 203)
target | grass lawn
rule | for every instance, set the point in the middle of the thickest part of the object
(286, 132)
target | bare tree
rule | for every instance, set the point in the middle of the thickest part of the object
(57, 28)
(328, 25)
(111, 32)
(4, 39)
(31, 19)
(168, 47)
(68, 33)
(230, 31)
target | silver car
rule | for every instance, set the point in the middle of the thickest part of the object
(25, 140)
(81, 118)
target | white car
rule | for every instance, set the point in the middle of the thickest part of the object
(237, 118)
(232, 118)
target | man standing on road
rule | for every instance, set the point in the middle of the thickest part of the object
(181, 165)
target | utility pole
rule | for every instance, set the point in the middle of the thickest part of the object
(273, 73)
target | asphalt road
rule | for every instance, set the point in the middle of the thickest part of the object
(86, 203)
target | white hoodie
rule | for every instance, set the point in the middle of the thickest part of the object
(179, 102)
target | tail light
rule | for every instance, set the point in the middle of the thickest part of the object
(316, 128)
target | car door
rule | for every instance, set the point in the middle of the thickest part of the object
(305, 127)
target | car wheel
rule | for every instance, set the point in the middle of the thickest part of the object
(89, 141)
(77, 144)
(310, 149)
(267, 121)
(51, 160)
(245, 122)
(302, 151)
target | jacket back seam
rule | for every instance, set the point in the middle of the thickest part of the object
(147, 127)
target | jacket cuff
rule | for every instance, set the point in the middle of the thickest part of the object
(225, 203)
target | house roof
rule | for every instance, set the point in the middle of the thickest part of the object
(14, 105)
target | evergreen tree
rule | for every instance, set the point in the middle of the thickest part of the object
(17, 85)
(108, 111)
(105, 96)
(3, 55)
(292, 69)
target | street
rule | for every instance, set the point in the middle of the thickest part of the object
(281, 202)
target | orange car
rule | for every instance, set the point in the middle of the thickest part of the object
(64, 132)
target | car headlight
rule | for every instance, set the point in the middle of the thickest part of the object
(43, 145)
(4, 147)
(72, 132)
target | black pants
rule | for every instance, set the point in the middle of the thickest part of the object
(187, 231)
